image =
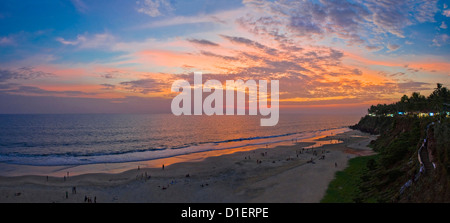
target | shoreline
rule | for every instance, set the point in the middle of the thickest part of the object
(280, 174)
(17, 170)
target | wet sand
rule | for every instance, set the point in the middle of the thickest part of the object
(282, 174)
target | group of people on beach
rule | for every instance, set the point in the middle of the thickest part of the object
(86, 198)
(314, 152)
(89, 199)
(143, 176)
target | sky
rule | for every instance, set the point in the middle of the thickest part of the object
(122, 56)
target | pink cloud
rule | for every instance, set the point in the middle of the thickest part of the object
(446, 13)
(6, 41)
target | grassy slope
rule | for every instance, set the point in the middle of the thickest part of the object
(345, 188)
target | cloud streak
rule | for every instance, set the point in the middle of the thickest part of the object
(80, 5)
(23, 73)
(349, 20)
(154, 8)
(96, 41)
(202, 42)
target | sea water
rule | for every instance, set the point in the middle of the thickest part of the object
(79, 139)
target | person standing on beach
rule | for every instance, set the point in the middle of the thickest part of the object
(163, 167)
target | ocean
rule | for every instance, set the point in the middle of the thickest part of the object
(79, 139)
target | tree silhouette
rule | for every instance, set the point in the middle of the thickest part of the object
(437, 101)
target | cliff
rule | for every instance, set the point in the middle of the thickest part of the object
(395, 174)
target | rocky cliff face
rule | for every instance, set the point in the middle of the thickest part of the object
(373, 125)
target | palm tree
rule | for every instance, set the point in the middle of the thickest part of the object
(439, 97)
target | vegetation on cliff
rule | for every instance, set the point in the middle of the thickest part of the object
(395, 174)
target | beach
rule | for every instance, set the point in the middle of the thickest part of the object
(294, 173)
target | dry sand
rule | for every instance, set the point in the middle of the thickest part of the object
(283, 175)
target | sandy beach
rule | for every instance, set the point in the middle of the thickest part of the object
(283, 174)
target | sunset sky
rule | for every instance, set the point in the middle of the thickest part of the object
(121, 56)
